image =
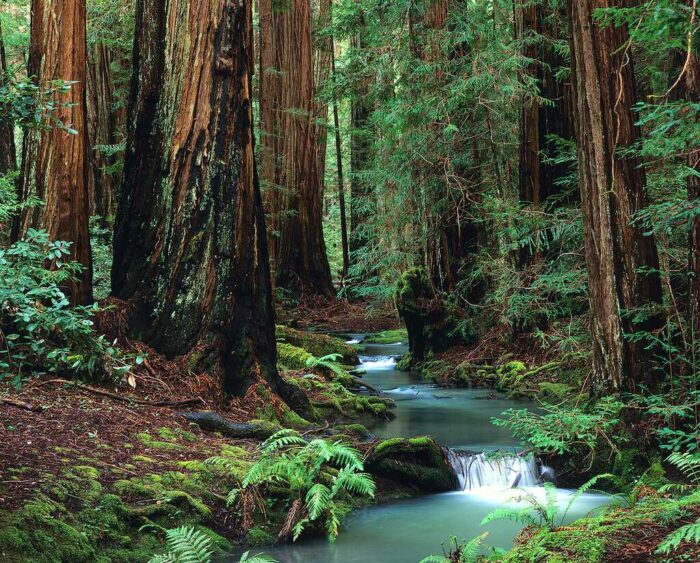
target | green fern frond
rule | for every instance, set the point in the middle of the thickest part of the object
(258, 558)
(357, 483)
(522, 516)
(317, 500)
(281, 439)
(345, 456)
(299, 528)
(688, 533)
(168, 558)
(435, 559)
(332, 523)
(472, 549)
(687, 463)
(186, 545)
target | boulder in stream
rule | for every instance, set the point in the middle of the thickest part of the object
(417, 462)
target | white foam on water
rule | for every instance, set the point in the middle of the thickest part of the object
(482, 471)
(378, 362)
(353, 341)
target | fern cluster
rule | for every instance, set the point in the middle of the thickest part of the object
(316, 475)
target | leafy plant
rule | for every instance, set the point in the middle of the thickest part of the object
(329, 361)
(542, 513)
(188, 545)
(562, 429)
(316, 475)
(39, 329)
(465, 552)
(185, 545)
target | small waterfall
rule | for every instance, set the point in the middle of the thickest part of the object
(476, 471)
(378, 362)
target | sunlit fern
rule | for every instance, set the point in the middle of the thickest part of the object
(542, 513)
(316, 473)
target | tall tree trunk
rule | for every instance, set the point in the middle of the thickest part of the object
(102, 128)
(686, 86)
(536, 29)
(341, 179)
(55, 161)
(190, 249)
(290, 167)
(8, 152)
(360, 153)
(612, 190)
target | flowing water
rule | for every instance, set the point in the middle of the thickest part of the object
(407, 531)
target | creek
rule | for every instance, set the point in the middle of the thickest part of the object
(406, 531)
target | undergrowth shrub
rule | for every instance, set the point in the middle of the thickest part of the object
(40, 332)
(316, 476)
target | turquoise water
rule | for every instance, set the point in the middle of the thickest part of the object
(409, 530)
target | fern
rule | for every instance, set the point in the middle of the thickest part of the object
(186, 545)
(259, 558)
(316, 472)
(317, 499)
(687, 463)
(548, 511)
(467, 552)
(687, 533)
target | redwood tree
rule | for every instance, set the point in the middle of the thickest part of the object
(8, 155)
(190, 250)
(612, 190)
(55, 159)
(538, 27)
(290, 167)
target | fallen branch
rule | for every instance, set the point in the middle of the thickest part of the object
(21, 405)
(122, 398)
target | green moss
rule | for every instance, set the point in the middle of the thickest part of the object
(40, 531)
(258, 537)
(387, 337)
(599, 536)
(148, 441)
(291, 357)
(318, 345)
(417, 462)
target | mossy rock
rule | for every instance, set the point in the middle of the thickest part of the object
(387, 337)
(318, 345)
(290, 357)
(42, 531)
(417, 462)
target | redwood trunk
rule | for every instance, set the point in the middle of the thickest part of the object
(612, 190)
(190, 250)
(103, 126)
(55, 162)
(290, 168)
(8, 153)
(536, 29)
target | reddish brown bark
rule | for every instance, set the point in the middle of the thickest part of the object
(55, 162)
(190, 248)
(537, 26)
(290, 167)
(104, 124)
(612, 190)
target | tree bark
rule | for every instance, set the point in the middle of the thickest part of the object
(686, 87)
(103, 126)
(8, 152)
(612, 190)
(290, 167)
(55, 162)
(360, 154)
(190, 249)
(537, 178)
